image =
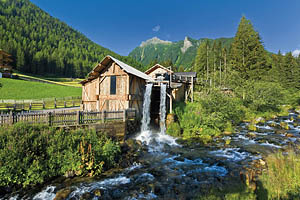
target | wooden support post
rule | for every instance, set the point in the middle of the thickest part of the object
(44, 104)
(192, 89)
(185, 93)
(171, 103)
(55, 103)
(65, 104)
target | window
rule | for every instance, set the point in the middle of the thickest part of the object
(113, 84)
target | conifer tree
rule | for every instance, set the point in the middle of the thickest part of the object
(291, 72)
(201, 63)
(248, 56)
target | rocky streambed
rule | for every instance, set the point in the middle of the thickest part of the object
(169, 169)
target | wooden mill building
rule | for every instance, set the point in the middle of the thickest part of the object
(113, 86)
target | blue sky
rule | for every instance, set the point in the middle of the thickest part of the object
(122, 25)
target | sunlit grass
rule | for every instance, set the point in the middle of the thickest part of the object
(19, 90)
(282, 178)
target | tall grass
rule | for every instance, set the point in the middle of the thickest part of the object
(282, 179)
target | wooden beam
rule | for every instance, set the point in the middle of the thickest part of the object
(114, 97)
(114, 74)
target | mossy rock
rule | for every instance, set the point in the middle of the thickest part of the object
(62, 194)
(252, 127)
(170, 119)
(227, 133)
(280, 131)
(251, 134)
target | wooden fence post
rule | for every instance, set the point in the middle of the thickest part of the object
(30, 106)
(11, 117)
(103, 116)
(15, 105)
(78, 116)
(124, 115)
(54, 102)
(50, 118)
(65, 104)
(44, 104)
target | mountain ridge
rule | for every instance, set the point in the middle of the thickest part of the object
(181, 53)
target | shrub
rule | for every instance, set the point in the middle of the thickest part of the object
(31, 154)
(264, 96)
(174, 129)
(228, 127)
(282, 178)
(209, 116)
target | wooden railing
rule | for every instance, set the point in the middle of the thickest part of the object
(24, 105)
(66, 118)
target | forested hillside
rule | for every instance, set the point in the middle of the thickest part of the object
(41, 44)
(180, 54)
(245, 61)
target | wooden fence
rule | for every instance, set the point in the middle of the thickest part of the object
(66, 118)
(24, 105)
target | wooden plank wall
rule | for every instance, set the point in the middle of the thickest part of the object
(137, 88)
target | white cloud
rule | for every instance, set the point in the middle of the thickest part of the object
(156, 28)
(296, 52)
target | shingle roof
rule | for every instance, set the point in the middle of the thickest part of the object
(148, 71)
(131, 70)
(191, 74)
(127, 68)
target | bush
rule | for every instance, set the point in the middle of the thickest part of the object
(174, 129)
(209, 116)
(229, 128)
(263, 96)
(282, 178)
(31, 154)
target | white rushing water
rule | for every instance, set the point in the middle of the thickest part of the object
(148, 136)
(162, 108)
(47, 194)
(146, 108)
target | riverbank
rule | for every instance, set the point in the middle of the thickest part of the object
(34, 154)
(161, 168)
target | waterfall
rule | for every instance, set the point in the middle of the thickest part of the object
(162, 108)
(154, 140)
(146, 108)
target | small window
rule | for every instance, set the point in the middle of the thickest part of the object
(113, 83)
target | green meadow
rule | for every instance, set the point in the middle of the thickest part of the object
(20, 89)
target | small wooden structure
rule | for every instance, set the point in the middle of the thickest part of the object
(180, 84)
(5, 68)
(113, 86)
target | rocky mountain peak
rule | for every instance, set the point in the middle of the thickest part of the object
(186, 44)
(154, 40)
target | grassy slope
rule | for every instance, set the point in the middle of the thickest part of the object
(19, 89)
(58, 81)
